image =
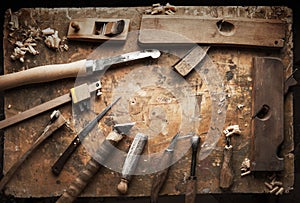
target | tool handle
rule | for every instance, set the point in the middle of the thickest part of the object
(80, 182)
(191, 190)
(226, 174)
(161, 176)
(86, 175)
(42, 74)
(62, 160)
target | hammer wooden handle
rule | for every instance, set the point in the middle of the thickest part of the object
(42, 74)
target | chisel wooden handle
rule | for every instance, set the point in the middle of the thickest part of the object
(42, 74)
(161, 176)
(226, 174)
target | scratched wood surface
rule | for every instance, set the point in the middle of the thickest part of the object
(155, 107)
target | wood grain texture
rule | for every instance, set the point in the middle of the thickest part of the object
(234, 65)
(215, 31)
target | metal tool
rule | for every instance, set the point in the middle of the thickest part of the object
(79, 68)
(79, 95)
(59, 164)
(131, 161)
(226, 173)
(56, 121)
(161, 176)
(191, 186)
(92, 166)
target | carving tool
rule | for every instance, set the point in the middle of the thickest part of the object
(84, 91)
(191, 186)
(226, 174)
(131, 161)
(92, 166)
(79, 68)
(161, 176)
(59, 164)
(56, 121)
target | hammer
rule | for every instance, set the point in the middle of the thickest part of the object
(92, 166)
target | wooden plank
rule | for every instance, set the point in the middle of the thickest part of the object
(179, 29)
(267, 124)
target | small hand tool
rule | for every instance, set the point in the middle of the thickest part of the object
(71, 70)
(161, 176)
(56, 121)
(226, 174)
(98, 29)
(131, 161)
(191, 186)
(191, 59)
(77, 95)
(59, 164)
(92, 166)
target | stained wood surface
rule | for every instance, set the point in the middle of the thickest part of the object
(157, 106)
(267, 126)
(243, 31)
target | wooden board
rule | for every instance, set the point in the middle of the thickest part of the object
(194, 29)
(233, 65)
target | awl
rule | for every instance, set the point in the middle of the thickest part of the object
(59, 71)
(59, 164)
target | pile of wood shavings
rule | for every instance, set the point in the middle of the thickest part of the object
(25, 39)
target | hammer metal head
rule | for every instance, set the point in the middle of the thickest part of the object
(123, 128)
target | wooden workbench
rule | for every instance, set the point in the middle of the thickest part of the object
(152, 106)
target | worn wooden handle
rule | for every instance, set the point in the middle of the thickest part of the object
(161, 176)
(86, 175)
(191, 190)
(226, 174)
(42, 74)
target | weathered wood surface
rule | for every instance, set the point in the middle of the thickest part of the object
(150, 106)
(214, 31)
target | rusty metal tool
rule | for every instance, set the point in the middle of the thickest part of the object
(268, 114)
(131, 161)
(92, 166)
(226, 173)
(191, 59)
(79, 95)
(70, 70)
(59, 164)
(56, 121)
(191, 186)
(161, 176)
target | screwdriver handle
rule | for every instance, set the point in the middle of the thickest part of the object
(226, 174)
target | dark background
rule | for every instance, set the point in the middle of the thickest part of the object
(293, 196)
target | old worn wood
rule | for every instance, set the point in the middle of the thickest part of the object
(97, 29)
(50, 128)
(192, 58)
(267, 124)
(233, 65)
(230, 31)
